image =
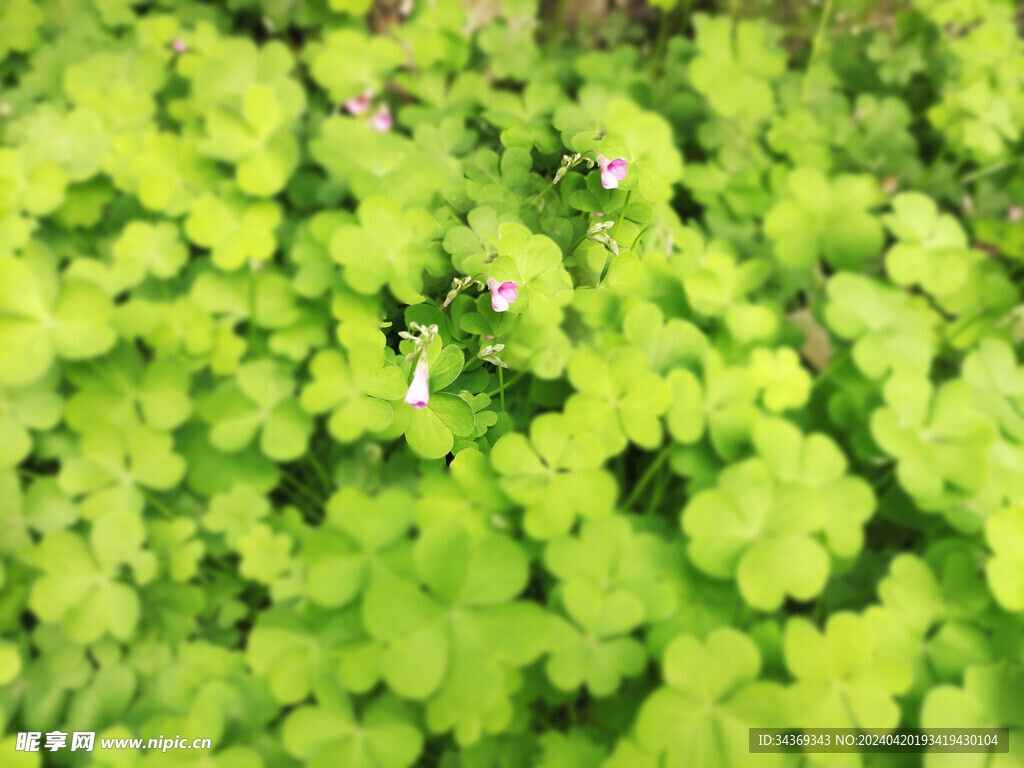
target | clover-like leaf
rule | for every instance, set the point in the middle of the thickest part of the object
(723, 404)
(644, 140)
(431, 431)
(556, 474)
(784, 382)
(265, 554)
(574, 749)
(600, 652)
(1005, 571)
(262, 401)
(890, 330)
(534, 263)
(667, 344)
(939, 441)
(175, 545)
(164, 170)
(144, 248)
(816, 462)
(33, 407)
(387, 248)
(126, 393)
(354, 389)
(236, 232)
(620, 396)
(257, 139)
(364, 542)
(77, 593)
(349, 62)
(608, 552)
(42, 318)
(235, 512)
(713, 278)
(323, 736)
(827, 219)
(375, 164)
(119, 87)
(20, 21)
(291, 654)
(711, 699)
(758, 530)
(455, 646)
(612, 580)
(986, 699)
(845, 676)
(114, 467)
(735, 70)
(932, 249)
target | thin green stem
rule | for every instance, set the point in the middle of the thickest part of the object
(502, 385)
(536, 201)
(622, 215)
(102, 374)
(820, 609)
(834, 364)
(158, 505)
(987, 171)
(659, 46)
(576, 243)
(684, 16)
(555, 28)
(647, 476)
(816, 45)
(320, 471)
(658, 493)
(978, 316)
(252, 313)
(301, 488)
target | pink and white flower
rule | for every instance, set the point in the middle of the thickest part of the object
(359, 104)
(418, 394)
(502, 294)
(612, 171)
(179, 45)
(381, 121)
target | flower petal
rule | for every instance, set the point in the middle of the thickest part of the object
(381, 121)
(359, 104)
(498, 302)
(509, 291)
(418, 394)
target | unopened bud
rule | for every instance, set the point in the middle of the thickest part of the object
(490, 354)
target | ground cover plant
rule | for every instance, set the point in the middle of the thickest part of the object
(486, 384)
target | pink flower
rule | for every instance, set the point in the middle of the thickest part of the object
(381, 121)
(419, 390)
(359, 104)
(179, 46)
(612, 171)
(502, 294)
(598, 213)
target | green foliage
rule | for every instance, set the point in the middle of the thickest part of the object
(734, 443)
(710, 699)
(825, 219)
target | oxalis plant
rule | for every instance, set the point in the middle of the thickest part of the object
(400, 398)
